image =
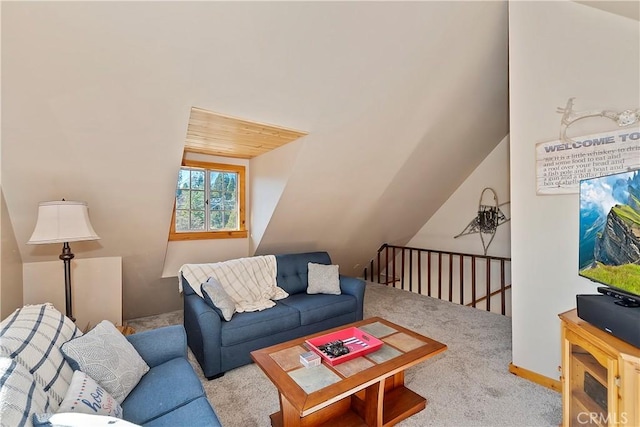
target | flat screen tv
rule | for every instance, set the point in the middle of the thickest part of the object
(610, 233)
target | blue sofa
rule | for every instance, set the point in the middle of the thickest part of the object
(220, 346)
(35, 376)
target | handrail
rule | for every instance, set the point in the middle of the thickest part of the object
(444, 269)
(494, 293)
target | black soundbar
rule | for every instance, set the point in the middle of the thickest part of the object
(624, 298)
(604, 312)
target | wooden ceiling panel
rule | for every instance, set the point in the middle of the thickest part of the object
(219, 135)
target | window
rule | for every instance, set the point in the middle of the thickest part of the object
(209, 202)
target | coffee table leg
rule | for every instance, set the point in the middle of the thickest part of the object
(373, 404)
(290, 416)
(395, 381)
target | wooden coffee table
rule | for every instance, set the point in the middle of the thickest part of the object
(365, 391)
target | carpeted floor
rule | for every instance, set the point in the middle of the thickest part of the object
(467, 385)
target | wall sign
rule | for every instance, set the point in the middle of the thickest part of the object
(561, 164)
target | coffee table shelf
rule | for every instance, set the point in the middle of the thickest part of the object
(346, 419)
(401, 403)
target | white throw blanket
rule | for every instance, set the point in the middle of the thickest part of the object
(250, 282)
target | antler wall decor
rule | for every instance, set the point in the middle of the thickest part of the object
(569, 117)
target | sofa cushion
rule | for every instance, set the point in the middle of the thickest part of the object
(324, 279)
(319, 307)
(20, 394)
(106, 355)
(292, 274)
(197, 413)
(86, 396)
(215, 295)
(249, 326)
(32, 335)
(159, 345)
(161, 390)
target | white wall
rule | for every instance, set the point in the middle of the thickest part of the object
(378, 178)
(453, 217)
(579, 52)
(456, 213)
(10, 259)
(96, 288)
(271, 173)
(11, 264)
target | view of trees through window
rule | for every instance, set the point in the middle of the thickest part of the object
(206, 200)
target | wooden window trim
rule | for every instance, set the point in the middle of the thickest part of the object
(225, 234)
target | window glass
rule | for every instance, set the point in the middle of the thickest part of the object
(209, 199)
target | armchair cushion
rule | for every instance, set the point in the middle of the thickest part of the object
(198, 412)
(160, 345)
(164, 388)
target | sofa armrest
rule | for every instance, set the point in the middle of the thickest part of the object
(160, 345)
(203, 325)
(354, 286)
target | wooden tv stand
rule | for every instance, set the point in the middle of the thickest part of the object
(600, 376)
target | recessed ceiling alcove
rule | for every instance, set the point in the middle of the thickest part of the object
(221, 135)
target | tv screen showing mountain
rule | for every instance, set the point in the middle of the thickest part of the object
(609, 250)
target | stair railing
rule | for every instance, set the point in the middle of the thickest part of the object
(466, 279)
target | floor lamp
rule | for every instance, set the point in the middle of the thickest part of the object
(63, 222)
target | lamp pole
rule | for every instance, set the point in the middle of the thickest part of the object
(66, 256)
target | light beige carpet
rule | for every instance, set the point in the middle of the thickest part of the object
(467, 385)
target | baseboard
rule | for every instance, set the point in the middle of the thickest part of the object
(547, 382)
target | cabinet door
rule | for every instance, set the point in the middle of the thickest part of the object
(590, 396)
(630, 390)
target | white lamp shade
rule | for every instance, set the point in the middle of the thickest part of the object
(62, 221)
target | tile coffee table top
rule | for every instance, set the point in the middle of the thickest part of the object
(314, 378)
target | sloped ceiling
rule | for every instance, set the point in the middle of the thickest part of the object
(626, 8)
(401, 102)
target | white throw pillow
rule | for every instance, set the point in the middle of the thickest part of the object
(86, 396)
(107, 357)
(323, 279)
